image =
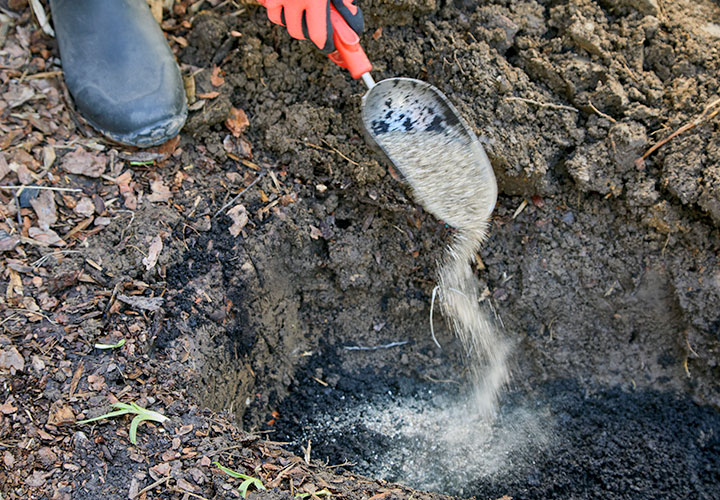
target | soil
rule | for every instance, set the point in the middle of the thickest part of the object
(308, 297)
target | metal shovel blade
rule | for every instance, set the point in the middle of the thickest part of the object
(424, 136)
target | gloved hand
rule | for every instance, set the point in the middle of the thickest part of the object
(311, 18)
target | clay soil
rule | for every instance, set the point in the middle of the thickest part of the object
(242, 323)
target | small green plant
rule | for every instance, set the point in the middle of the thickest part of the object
(248, 480)
(141, 414)
(110, 346)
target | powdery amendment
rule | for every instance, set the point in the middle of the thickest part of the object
(451, 176)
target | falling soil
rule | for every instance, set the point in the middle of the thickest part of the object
(452, 177)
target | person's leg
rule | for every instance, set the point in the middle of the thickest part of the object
(120, 70)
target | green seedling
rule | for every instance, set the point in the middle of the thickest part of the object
(141, 414)
(247, 480)
(110, 346)
(321, 493)
(141, 163)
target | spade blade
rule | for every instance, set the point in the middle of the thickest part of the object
(423, 135)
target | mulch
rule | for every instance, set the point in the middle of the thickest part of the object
(76, 337)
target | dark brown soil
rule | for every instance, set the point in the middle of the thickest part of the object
(603, 270)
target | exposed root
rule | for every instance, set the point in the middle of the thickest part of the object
(432, 305)
(710, 111)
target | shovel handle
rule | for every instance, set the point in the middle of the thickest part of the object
(348, 52)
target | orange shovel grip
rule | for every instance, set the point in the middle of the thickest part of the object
(348, 52)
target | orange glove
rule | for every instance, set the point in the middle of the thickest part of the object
(311, 18)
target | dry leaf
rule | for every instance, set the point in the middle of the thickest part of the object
(216, 78)
(8, 459)
(180, 176)
(160, 192)
(208, 95)
(82, 162)
(156, 8)
(25, 175)
(60, 414)
(7, 242)
(160, 470)
(47, 456)
(48, 156)
(185, 485)
(7, 408)
(85, 207)
(44, 206)
(315, 233)
(124, 178)
(95, 382)
(190, 90)
(15, 285)
(167, 148)
(156, 247)
(184, 429)
(144, 303)
(4, 167)
(237, 121)
(237, 148)
(239, 216)
(11, 358)
(30, 304)
(41, 17)
(17, 95)
(124, 182)
(69, 201)
(180, 40)
(46, 237)
(37, 479)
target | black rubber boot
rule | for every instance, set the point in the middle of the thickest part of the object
(120, 70)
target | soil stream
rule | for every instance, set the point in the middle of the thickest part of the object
(453, 179)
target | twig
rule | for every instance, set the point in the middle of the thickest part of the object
(44, 74)
(20, 309)
(49, 188)
(375, 348)
(440, 381)
(600, 113)
(519, 209)
(19, 211)
(543, 104)
(344, 464)
(331, 150)
(186, 492)
(153, 485)
(47, 256)
(704, 116)
(41, 17)
(339, 153)
(458, 62)
(306, 451)
(7, 319)
(236, 198)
